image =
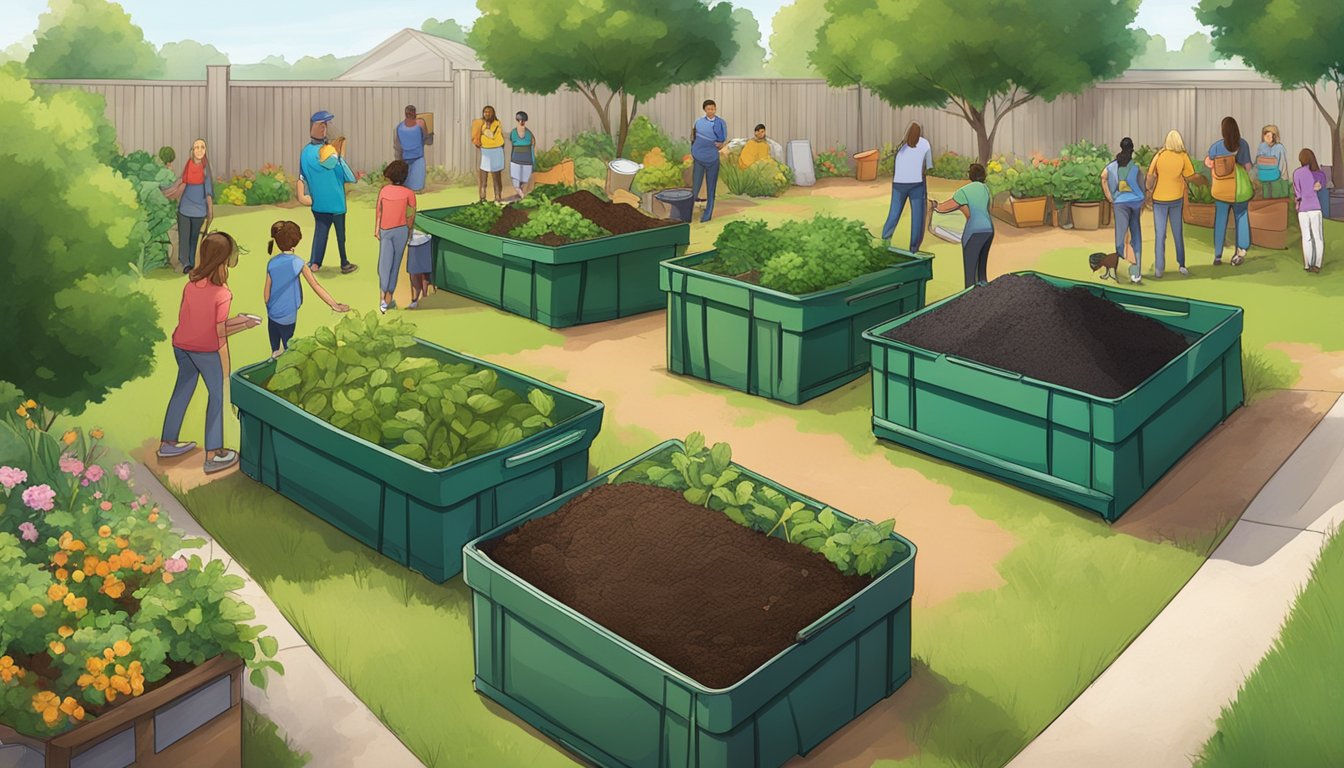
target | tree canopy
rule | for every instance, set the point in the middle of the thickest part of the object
(750, 58)
(984, 65)
(1298, 44)
(448, 29)
(76, 326)
(604, 49)
(1196, 52)
(187, 60)
(793, 36)
(91, 39)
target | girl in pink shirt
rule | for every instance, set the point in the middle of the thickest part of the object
(393, 219)
(200, 349)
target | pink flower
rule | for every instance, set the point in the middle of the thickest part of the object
(97, 494)
(123, 471)
(106, 506)
(28, 531)
(72, 465)
(40, 498)
(176, 565)
(10, 477)
(93, 474)
(135, 506)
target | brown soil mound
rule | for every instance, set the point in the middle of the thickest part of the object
(711, 598)
(1071, 337)
(616, 218)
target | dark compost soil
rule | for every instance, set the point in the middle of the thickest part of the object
(713, 599)
(616, 218)
(1068, 337)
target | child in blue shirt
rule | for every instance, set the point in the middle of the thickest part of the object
(284, 293)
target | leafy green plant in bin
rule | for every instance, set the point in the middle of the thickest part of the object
(707, 477)
(557, 219)
(480, 216)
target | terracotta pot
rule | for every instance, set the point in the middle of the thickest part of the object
(207, 731)
(865, 165)
(1026, 211)
(1085, 215)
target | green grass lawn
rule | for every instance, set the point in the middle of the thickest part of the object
(264, 747)
(1006, 661)
(1288, 710)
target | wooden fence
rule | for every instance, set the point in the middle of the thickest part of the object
(251, 123)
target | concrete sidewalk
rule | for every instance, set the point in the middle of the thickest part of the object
(314, 710)
(1159, 702)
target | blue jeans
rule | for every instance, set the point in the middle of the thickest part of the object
(1162, 214)
(1241, 212)
(1127, 220)
(188, 238)
(190, 367)
(322, 223)
(918, 195)
(709, 173)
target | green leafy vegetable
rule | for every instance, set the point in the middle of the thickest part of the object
(560, 220)
(480, 216)
(798, 257)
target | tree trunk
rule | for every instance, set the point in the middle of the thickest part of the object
(984, 144)
(625, 124)
(1337, 155)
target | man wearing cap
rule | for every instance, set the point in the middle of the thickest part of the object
(324, 172)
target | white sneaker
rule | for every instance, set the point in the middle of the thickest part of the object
(382, 307)
(1135, 279)
(1184, 271)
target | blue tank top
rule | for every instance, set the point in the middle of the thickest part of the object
(412, 141)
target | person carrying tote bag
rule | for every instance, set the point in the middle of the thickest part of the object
(1230, 160)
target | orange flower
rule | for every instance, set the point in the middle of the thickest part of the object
(69, 437)
(104, 531)
(102, 569)
(57, 592)
(9, 670)
(72, 708)
(76, 604)
(60, 558)
(121, 648)
(113, 587)
(48, 705)
(97, 433)
(30, 404)
(154, 516)
(65, 631)
(57, 647)
(121, 542)
(78, 576)
(69, 542)
(39, 611)
(167, 579)
(62, 574)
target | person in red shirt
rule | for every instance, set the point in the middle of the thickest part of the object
(393, 221)
(200, 348)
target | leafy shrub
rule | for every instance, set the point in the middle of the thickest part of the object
(361, 378)
(656, 178)
(1079, 180)
(798, 257)
(1201, 193)
(547, 159)
(644, 135)
(708, 477)
(594, 144)
(560, 220)
(590, 168)
(269, 186)
(886, 159)
(76, 322)
(158, 214)
(97, 604)
(167, 155)
(832, 163)
(545, 193)
(764, 178)
(948, 165)
(480, 216)
(1022, 179)
(1086, 150)
(1144, 156)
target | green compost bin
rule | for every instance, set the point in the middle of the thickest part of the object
(778, 345)
(1094, 452)
(614, 704)
(413, 514)
(586, 282)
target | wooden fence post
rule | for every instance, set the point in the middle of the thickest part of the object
(217, 117)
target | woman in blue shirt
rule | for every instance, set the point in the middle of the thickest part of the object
(708, 136)
(973, 202)
(1233, 151)
(409, 141)
(1122, 183)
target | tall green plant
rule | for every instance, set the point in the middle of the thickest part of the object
(91, 39)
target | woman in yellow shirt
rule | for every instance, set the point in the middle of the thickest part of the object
(755, 150)
(1168, 175)
(488, 136)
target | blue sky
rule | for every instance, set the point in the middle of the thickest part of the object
(248, 30)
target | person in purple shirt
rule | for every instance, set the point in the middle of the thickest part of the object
(708, 136)
(1308, 180)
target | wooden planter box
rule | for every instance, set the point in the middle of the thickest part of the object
(1020, 212)
(1085, 216)
(1198, 214)
(195, 719)
(1269, 222)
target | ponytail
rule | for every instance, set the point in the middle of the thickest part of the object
(1126, 152)
(270, 247)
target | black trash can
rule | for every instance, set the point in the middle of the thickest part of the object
(680, 201)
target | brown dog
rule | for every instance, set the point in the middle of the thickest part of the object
(1107, 262)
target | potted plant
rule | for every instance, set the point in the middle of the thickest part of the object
(1199, 209)
(107, 626)
(1022, 193)
(1270, 212)
(1077, 184)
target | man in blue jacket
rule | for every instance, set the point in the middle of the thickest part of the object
(707, 138)
(323, 171)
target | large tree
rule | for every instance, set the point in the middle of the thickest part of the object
(187, 60)
(91, 39)
(750, 58)
(605, 50)
(982, 66)
(1196, 52)
(793, 36)
(1299, 44)
(448, 29)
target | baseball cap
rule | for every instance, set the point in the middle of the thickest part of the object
(322, 116)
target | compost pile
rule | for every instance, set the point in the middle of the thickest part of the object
(616, 218)
(712, 598)
(1069, 337)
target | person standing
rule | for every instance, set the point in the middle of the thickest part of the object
(973, 201)
(914, 160)
(1307, 183)
(1168, 174)
(195, 204)
(409, 140)
(1227, 157)
(1120, 182)
(1271, 159)
(708, 136)
(323, 174)
(283, 293)
(522, 154)
(393, 219)
(200, 348)
(490, 140)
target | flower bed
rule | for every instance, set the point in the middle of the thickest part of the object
(99, 608)
(1098, 451)
(825, 631)
(407, 447)
(832, 163)
(948, 165)
(268, 186)
(780, 313)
